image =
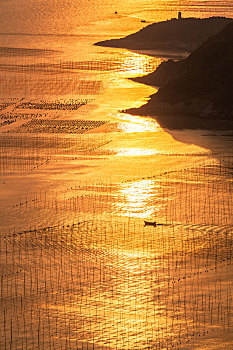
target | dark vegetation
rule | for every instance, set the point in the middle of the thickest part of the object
(184, 34)
(200, 85)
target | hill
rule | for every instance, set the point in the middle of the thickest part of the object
(181, 35)
(200, 85)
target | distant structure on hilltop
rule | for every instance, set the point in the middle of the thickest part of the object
(179, 34)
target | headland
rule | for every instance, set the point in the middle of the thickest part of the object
(175, 35)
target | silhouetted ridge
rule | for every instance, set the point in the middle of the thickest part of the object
(184, 34)
(201, 85)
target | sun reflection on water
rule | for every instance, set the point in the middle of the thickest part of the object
(131, 123)
(137, 199)
(132, 152)
(137, 64)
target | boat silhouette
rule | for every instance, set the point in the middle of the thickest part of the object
(150, 223)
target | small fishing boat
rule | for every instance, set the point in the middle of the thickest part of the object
(150, 223)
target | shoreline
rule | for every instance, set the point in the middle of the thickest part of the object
(179, 34)
(194, 93)
(175, 121)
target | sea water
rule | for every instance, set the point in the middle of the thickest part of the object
(79, 270)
